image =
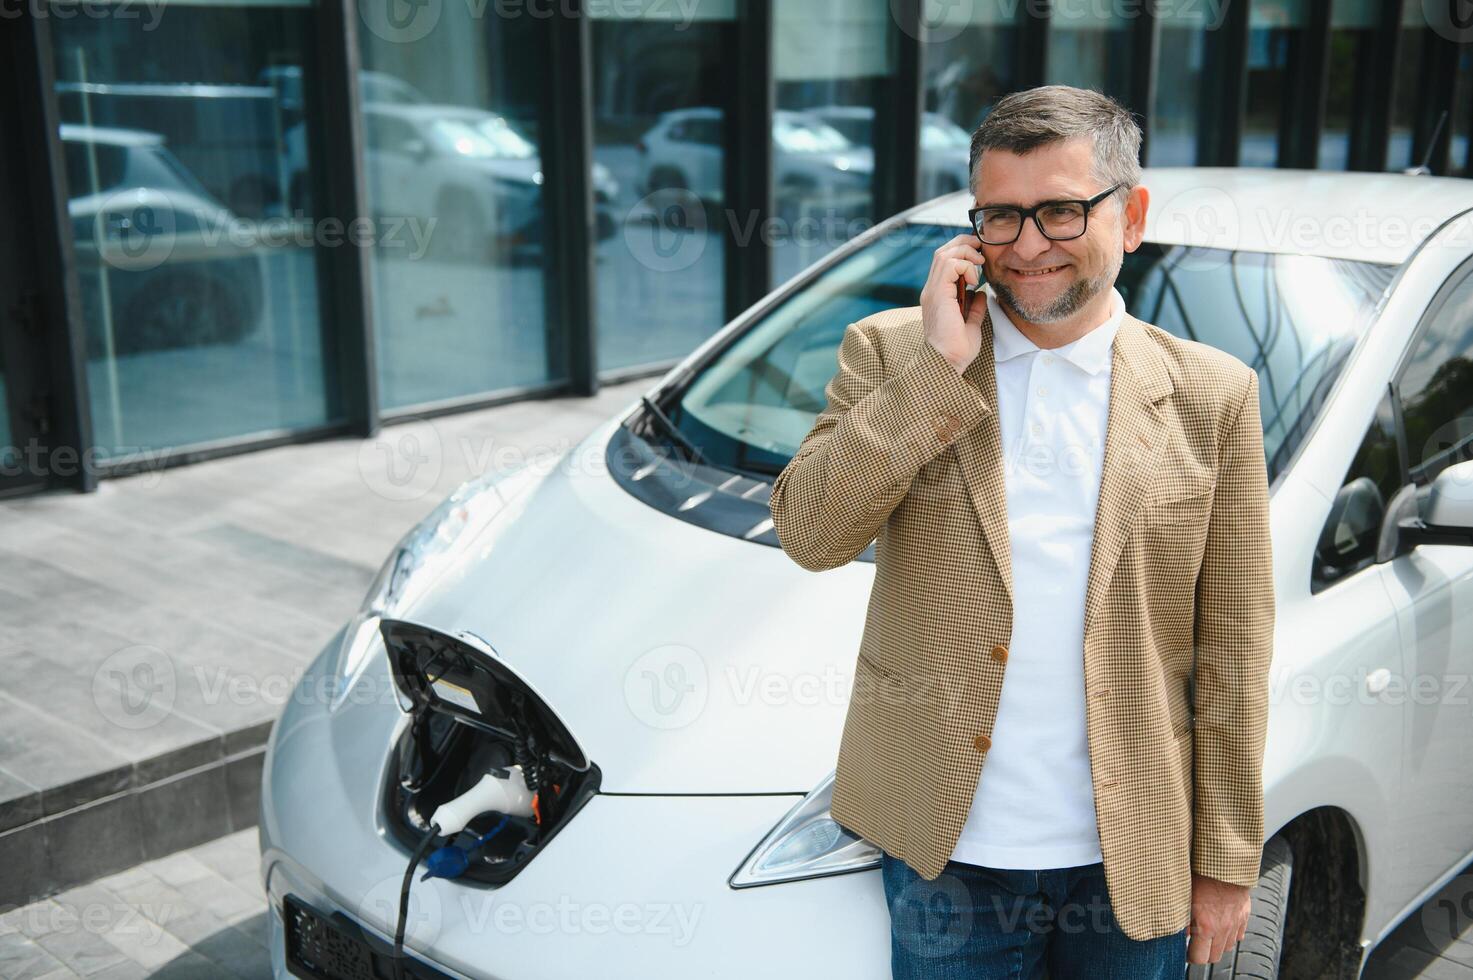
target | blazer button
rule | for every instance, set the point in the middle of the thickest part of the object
(982, 743)
(1000, 654)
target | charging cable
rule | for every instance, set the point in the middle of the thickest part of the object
(419, 853)
(507, 793)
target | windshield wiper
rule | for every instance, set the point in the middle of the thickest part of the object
(673, 431)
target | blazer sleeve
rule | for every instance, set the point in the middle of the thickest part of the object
(866, 447)
(1234, 622)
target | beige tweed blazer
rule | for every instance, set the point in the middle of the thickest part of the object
(1179, 609)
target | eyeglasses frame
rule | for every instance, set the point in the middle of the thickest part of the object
(1025, 213)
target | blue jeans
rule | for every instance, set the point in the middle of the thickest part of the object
(976, 923)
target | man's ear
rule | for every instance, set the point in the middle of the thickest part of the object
(1136, 201)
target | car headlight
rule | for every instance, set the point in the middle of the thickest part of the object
(416, 561)
(807, 843)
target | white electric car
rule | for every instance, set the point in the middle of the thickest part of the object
(621, 634)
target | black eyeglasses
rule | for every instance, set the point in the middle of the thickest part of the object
(1001, 224)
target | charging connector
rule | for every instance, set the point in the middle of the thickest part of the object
(504, 794)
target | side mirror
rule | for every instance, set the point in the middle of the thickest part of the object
(1449, 517)
(418, 149)
(1350, 534)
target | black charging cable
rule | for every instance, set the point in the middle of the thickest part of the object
(419, 853)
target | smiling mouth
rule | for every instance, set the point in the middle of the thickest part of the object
(1038, 273)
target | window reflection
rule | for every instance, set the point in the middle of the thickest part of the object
(831, 61)
(658, 125)
(1089, 46)
(1176, 115)
(1409, 43)
(1353, 43)
(1276, 36)
(452, 159)
(1293, 318)
(970, 63)
(199, 292)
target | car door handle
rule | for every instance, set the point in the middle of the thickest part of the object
(1377, 680)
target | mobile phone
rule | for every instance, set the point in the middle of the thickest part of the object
(964, 296)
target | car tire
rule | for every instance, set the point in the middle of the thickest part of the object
(1257, 954)
(181, 310)
(666, 179)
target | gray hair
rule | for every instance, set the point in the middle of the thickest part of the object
(1024, 121)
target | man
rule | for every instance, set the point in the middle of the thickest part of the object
(1076, 500)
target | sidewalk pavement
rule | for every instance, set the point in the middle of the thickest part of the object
(154, 629)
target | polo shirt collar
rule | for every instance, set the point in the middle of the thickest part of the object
(1090, 353)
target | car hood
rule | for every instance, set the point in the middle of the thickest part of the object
(681, 659)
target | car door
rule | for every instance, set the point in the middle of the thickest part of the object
(395, 163)
(1432, 588)
(1347, 652)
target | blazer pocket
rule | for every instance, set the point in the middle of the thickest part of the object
(1188, 509)
(875, 685)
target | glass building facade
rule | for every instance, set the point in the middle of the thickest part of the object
(239, 223)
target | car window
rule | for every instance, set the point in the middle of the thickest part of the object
(388, 133)
(1435, 387)
(1293, 318)
(1348, 541)
(800, 134)
(92, 168)
(704, 130)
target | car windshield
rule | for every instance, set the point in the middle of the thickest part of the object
(508, 142)
(461, 138)
(1293, 318)
(939, 134)
(808, 136)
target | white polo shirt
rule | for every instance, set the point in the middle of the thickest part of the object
(1034, 805)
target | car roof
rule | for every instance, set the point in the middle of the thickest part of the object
(73, 132)
(430, 111)
(1370, 217)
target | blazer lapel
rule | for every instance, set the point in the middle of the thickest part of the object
(1134, 436)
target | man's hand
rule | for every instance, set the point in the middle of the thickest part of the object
(958, 340)
(1219, 918)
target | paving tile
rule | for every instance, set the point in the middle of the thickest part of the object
(20, 801)
(98, 710)
(222, 899)
(21, 958)
(179, 868)
(81, 951)
(50, 752)
(235, 950)
(125, 971)
(230, 856)
(192, 966)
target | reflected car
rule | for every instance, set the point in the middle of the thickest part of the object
(378, 87)
(618, 631)
(156, 262)
(945, 146)
(226, 135)
(812, 161)
(473, 171)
